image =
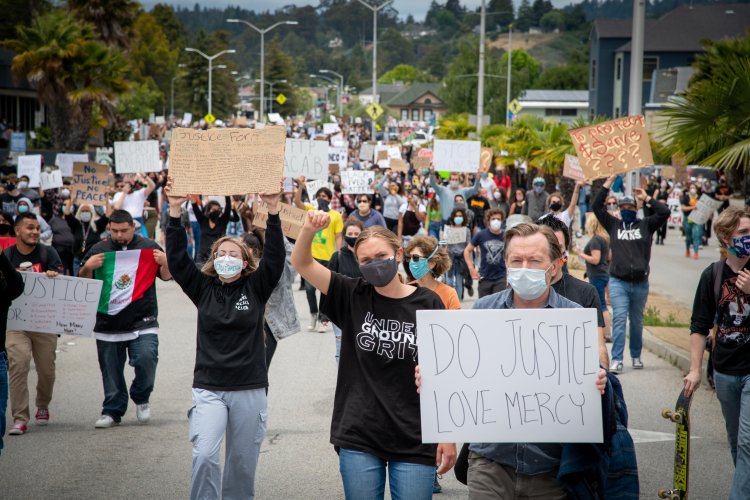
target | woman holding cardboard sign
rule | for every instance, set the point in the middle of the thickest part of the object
(230, 375)
(376, 419)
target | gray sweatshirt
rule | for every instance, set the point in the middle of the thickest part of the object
(448, 195)
(536, 204)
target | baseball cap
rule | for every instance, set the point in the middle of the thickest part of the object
(539, 180)
(627, 200)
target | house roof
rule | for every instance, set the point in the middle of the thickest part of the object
(384, 88)
(414, 92)
(682, 29)
(555, 95)
(669, 82)
(617, 28)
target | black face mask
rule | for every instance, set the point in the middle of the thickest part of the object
(350, 240)
(5, 229)
(555, 206)
(337, 186)
(322, 204)
(214, 216)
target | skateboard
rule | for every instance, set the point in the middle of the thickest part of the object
(681, 417)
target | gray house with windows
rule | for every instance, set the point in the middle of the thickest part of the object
(670, 41)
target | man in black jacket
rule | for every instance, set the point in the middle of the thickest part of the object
(630, 241)
(133, 330)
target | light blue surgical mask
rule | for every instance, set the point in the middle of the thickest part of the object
(22, 209)
(529, 284)
(458, 220)
(538, 189)
(419, 269)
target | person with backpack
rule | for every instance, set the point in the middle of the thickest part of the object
(29, 255)
(722, 297)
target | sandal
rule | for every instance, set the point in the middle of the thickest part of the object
(607, 338)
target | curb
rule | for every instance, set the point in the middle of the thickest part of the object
(676, 356)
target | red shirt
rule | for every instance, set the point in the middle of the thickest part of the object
(503, 180)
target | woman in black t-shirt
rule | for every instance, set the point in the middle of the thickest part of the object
(213, 225)
(376, 417)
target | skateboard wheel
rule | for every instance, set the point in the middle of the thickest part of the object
(676, 418)
(674, 496)
(662, 493)
(665, 414)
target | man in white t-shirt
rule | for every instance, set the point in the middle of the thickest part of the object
(133, 201)
(487, 183)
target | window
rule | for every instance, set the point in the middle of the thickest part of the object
(415, 115)
(427, 116)
(560, 112)
(592, 86)
(404, 114)
(617, 112)
(427, 101)
(650, 64)
(618, 68)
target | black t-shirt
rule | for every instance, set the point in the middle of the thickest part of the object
(731, 353)
(582, 293)
(724, 190)
(35, 257)
(685, 201)
(8, 202)
(376, 408)
(478, 204)
(602, 268)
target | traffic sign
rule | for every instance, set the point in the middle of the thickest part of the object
(209, 118)
(344, 99)
(374, 110)
(514, 106)
(281, 98)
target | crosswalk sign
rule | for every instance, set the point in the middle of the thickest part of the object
(209, 118)
(514, 106)
(281, 98)
(374, 110)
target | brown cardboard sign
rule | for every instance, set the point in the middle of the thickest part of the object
(572, 168)
(224, 162)
(399, 165)
(347, 118)
(292, 218)
(90, 183)
(614, 146)
(485, 160)
(667, 172)
(382, 155)
(240, 121)
(420, 162)
(680, 169)
(334, 168)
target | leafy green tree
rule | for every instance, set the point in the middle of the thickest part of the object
(434, 63)
(140, 102)
(525, 18)
(446, 23)
(522, 61)
(406, 74)
(113, 20)
(575, 18)
(152, 57)
(717, 53)
(278, 67)
(553, 19)
(170, 25)
(395, 49)
(567, 77)
(19, 13)
(539, 9)
(500, 6)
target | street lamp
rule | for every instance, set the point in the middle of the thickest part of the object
(262, 53)
(480, 88)
(374, 50)
(507, 93)
(270, 99)
(210, 62)
(333, 82)
(341, 89)
(171, 116)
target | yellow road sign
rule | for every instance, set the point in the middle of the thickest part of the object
(281, 98)
(514, 106)
(374, 110)
(209, 118)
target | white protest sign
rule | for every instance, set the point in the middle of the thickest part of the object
(65, 162)
(456, 156)
(312, 189)
(394, 152)
(455, 234)
(31, 167)
(367, 152)
(288, 183)
(509, 376)
(337, 155)
(275, 118)
(330, 128)
(51, 180)
(383, 164)
(357, 181)
(63, 305)
(187, 119)
(675, 209)
(308, 158)
(703, 210)
(132, 157)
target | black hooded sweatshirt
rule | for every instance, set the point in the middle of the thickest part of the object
(230, 353)
(630, 243)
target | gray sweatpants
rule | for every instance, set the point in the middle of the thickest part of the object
(242, 416)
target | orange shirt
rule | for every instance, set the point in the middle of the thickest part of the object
(448, 296)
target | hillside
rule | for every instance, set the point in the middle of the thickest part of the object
(549, 49)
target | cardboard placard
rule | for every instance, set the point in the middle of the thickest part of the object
(64, 305)
(382, 155)
(357, 181)
(227, 161)
(508, 375)
(30, 166)
(704, 209)
(667, 172)
(456, 156)
(292, 218)
(52, 180)
(334, 168)
(572, 168)
(366, 152)
(398, 165)
(240, 121)
(485, 160)
(420, 163)
(338, 155)
(613, 147)
(680, 169)
(132, 157)
(308, 158)
(426, 153)
(90, 182)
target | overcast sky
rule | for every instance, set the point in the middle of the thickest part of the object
(417, 8)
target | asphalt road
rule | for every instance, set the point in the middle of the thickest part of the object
(70, 459)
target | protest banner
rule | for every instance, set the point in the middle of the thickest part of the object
(187, 119)
(65, 162)
(292, 218)
(572, 168)
(507, 376)
(338, 155)
(680, 169)
(394, 153)
(275, 118)
(132, 157)
(313, 186)
(613, 147)
(357, 181)
(52, 180)
(420, 163)
(382, 155)
(667, 172)
(30, 166)
(288, 185)
(426, 152)
(240, 121)
(227, 161)
(308, 158)
(383, 164)
(454, 235)
(485, 160)
(398, 165)
(704, 209)
(334, 168)
(159, 120)
(330, 128)
(675, 209)
(64, 305)
(456, 156)
(366, 152)
(90, 182)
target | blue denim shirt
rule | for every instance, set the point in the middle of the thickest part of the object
(525, 458)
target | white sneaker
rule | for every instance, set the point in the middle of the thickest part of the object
(313, 323)
(637, 363)
(143, 412)
(321, 328)
(615, 366)
(105, 421)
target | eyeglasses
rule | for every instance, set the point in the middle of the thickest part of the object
(233, 254)
(609, 205)
(414, 256)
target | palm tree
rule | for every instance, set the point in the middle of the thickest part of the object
(455, 127)
(113, 20)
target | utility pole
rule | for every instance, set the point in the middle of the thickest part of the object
(510, 55)
(341, 89)
(374, 52)
(210, 72)
(480, 73)
(636, 76)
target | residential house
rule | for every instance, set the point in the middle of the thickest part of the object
(671, 41)
(385, 91)
(418, 103)
(18, 102)
(561, 105)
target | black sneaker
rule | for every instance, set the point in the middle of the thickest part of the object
(470, 291)
(436, 488)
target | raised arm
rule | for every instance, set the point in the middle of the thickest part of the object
(574, 199)
(298, 193)
(227, 211)
(265, 279)
(469, 192)
(150, 185)
(597, 206)
(314, 273)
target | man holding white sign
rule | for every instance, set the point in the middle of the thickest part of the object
(522, 405)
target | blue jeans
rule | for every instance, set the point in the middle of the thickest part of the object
(337, 335)
(434, 229)
(3, 395)
(140, 220)
(628, 299)
(364, 477)
(76, 265)
(455, 280)
(196, 238)
(144, 355)
(600, 283)
(583, 208)
(733, 393)
(693, 234)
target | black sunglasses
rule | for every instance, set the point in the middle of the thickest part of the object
(414, 256)
(611, 204)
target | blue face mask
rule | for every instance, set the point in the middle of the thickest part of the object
(628, 216)
(740, 246)
(419, 269)
(22, 209)
(458, 220)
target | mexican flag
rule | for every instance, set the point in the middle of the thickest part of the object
(126, 275)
